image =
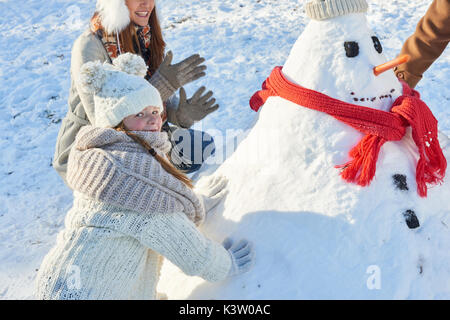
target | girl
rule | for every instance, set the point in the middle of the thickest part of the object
(131, 206)
(120, 26)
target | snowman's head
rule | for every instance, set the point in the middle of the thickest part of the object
(337, 56)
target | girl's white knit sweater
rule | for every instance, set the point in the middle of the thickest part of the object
(108, 252)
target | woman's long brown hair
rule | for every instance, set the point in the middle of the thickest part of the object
(163, 161)
(157, 44)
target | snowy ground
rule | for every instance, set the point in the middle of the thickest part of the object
(241, 40)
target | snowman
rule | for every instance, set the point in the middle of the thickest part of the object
(347, 197)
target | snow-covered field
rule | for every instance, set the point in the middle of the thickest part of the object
(241, 40)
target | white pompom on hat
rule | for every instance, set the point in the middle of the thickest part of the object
(327, 9)
(114, 15)
(119, 89)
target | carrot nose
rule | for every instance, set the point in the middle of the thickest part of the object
(391, 64)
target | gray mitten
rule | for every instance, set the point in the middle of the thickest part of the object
(242, 256)
(170, 77)
(191, 110)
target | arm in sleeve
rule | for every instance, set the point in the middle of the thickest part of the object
(175, 237)
(166, 90)
(87, 48)
(427, 43)
(98, 175)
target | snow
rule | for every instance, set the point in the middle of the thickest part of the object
(319, 62)
(310, 243)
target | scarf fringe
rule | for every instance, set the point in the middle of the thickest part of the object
(432, 163)
(431, 168)
(361, 170)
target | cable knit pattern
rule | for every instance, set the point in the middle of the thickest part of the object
(128, 214)
(103, 253)
(110, 166)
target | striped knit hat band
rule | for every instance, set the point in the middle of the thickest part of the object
(326, 9)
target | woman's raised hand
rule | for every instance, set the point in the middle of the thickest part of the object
(170, 77)
(180, 74)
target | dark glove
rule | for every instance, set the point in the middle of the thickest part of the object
(170, 77)
(191, 110)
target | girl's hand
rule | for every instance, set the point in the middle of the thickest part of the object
(211, 190)
(242, 256)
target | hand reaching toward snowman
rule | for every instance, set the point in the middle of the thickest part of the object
(211, 190)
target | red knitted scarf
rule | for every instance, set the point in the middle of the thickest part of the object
(378, 127)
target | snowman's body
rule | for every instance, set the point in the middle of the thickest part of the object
(317, 236)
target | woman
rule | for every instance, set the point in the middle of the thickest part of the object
(120, 26)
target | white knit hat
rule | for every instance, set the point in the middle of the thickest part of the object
(326, 9)
(119, 89)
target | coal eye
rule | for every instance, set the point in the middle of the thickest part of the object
(377, 44)
(351, 49)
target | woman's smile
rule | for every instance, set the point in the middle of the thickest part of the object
(142, 14)
(140, 11)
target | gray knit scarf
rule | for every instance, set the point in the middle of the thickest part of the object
(109, 166)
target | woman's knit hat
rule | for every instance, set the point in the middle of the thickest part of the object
(119, 89)
(326, 9)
